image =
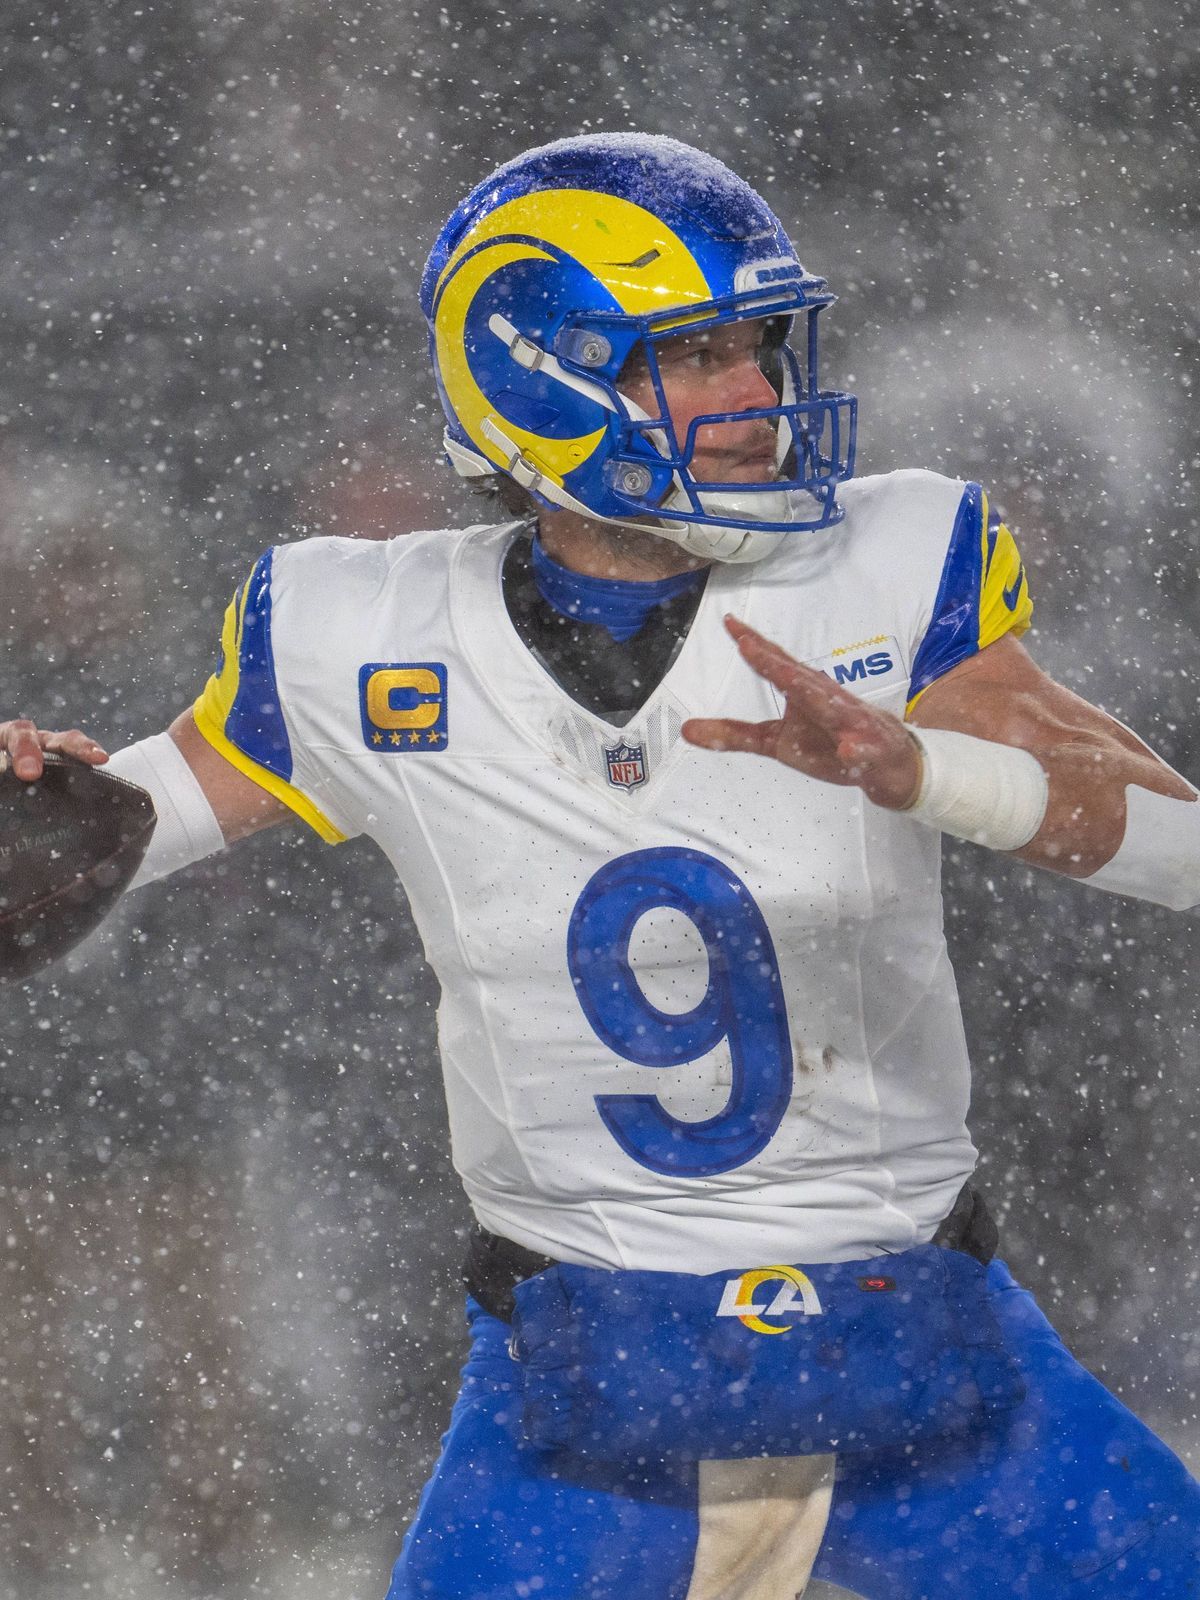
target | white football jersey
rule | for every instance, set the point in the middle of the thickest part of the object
(697, 1012)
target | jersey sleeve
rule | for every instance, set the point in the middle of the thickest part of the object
(241, 709)
(983, 593)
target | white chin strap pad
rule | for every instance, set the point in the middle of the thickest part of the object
(187, 829)
(1159, 855)
(732, 545)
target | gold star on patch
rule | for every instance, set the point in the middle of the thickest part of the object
(376, 738)
(433, 736)
(414, 738)
(395, 738)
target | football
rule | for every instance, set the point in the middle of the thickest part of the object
(69, 844)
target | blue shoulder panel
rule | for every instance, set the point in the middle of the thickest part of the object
(953, 634)
(255, 720)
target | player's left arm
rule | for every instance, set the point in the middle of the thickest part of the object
(1016, 761)
(1003, 696)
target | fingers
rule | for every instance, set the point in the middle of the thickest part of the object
(825, 731)
(724, 733)
(823, 702)
(75, 743)
(20, 739)
(756, 649)
(25, 741)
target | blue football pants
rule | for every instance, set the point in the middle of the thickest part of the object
(1066, 1497)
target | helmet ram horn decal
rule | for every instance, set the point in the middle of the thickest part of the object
(576, 256)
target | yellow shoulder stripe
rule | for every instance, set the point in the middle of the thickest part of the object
(210, 721)
(212, 710)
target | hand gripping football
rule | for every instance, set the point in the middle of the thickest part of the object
(69, 844)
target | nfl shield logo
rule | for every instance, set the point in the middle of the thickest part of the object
(626, 766)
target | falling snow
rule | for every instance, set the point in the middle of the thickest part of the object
(231, 1322)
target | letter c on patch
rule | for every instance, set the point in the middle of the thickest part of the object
(387, 681)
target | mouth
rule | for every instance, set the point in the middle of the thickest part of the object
(751, 466)
(724, 461)
(762, 458)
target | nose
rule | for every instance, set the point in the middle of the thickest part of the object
(749, 387)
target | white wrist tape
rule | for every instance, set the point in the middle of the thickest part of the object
(187, 829)
(1159, 855)
(992, 794)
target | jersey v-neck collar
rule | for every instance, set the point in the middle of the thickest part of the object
(523, 689)
(611, 677)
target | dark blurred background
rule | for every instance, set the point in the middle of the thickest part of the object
(231, 1324)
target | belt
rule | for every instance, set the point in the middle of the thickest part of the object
(495, 1265)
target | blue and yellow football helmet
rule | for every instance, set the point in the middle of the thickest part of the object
(552, 273)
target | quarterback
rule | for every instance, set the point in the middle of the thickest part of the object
(663, 758)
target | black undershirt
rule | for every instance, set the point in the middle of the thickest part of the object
(609, 677)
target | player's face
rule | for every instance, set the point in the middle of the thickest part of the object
(717, 370)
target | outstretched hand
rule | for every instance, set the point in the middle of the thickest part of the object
(824, 731)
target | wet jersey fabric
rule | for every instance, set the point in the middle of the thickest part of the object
(1066, 1497)
(697, 1011)
(697, 1015)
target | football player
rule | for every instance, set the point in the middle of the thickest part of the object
(735, 1310)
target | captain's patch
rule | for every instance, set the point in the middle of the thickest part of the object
(403, 706)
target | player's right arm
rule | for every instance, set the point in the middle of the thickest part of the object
(239, 759)
(224, 769)
(240, 805)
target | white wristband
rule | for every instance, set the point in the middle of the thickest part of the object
(187, 829)
(992, 794)
(1159, 855)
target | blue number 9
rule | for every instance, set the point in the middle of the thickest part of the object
(743, 1004)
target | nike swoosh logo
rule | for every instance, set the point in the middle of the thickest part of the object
(1012, 595)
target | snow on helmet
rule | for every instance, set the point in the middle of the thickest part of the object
(567, 261)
